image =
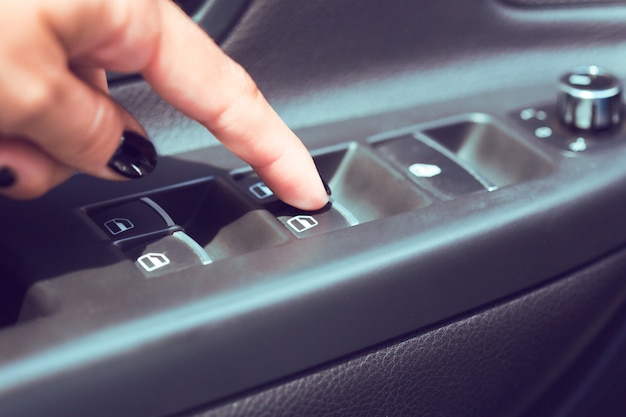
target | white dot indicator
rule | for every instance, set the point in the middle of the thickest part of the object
(527, 114)
(530, 113)
(579, 145)
(543, 132)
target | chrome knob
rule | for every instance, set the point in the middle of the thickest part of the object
(589, 99)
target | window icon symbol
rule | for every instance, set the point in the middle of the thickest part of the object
(302, 223)
(118, 225)
(260, 190)
(153, 261)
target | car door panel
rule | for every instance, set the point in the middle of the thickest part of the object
(471, 304)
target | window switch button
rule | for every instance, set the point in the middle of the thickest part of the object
(167, 255)
(427, 167)
(131, 220)
(307, 224)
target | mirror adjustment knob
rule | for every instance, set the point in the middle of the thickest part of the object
(589, 99)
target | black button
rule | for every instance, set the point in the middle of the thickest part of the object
(167, 255)
(256, 189)
(307, 224)
(131, 220)
(428, 167)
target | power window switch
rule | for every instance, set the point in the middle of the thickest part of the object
(428, 167)
(256, 189)
(307, 224)
(167, 255)
(131, 220)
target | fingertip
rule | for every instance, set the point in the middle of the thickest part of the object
(315, 197)
(313, 202)
(308, 195)
(135, 157)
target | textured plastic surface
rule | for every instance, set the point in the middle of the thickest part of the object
(462, 368)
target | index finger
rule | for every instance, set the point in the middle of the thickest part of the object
(191, 72)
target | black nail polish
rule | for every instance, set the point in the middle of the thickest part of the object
(135, 158)
(326, 187)
(7, 177)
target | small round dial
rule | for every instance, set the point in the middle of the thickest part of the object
(590, 99)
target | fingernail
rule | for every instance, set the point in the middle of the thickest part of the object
(135, 158)
(7, 177)
(326, 187)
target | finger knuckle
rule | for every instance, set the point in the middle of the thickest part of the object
(33, 102)
(122, 15)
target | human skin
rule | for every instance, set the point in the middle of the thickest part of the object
(56, 117)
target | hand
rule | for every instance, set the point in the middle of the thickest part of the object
(56, 116)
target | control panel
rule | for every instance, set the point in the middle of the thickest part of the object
(427, 221)
(206, 221)
(586, 115)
